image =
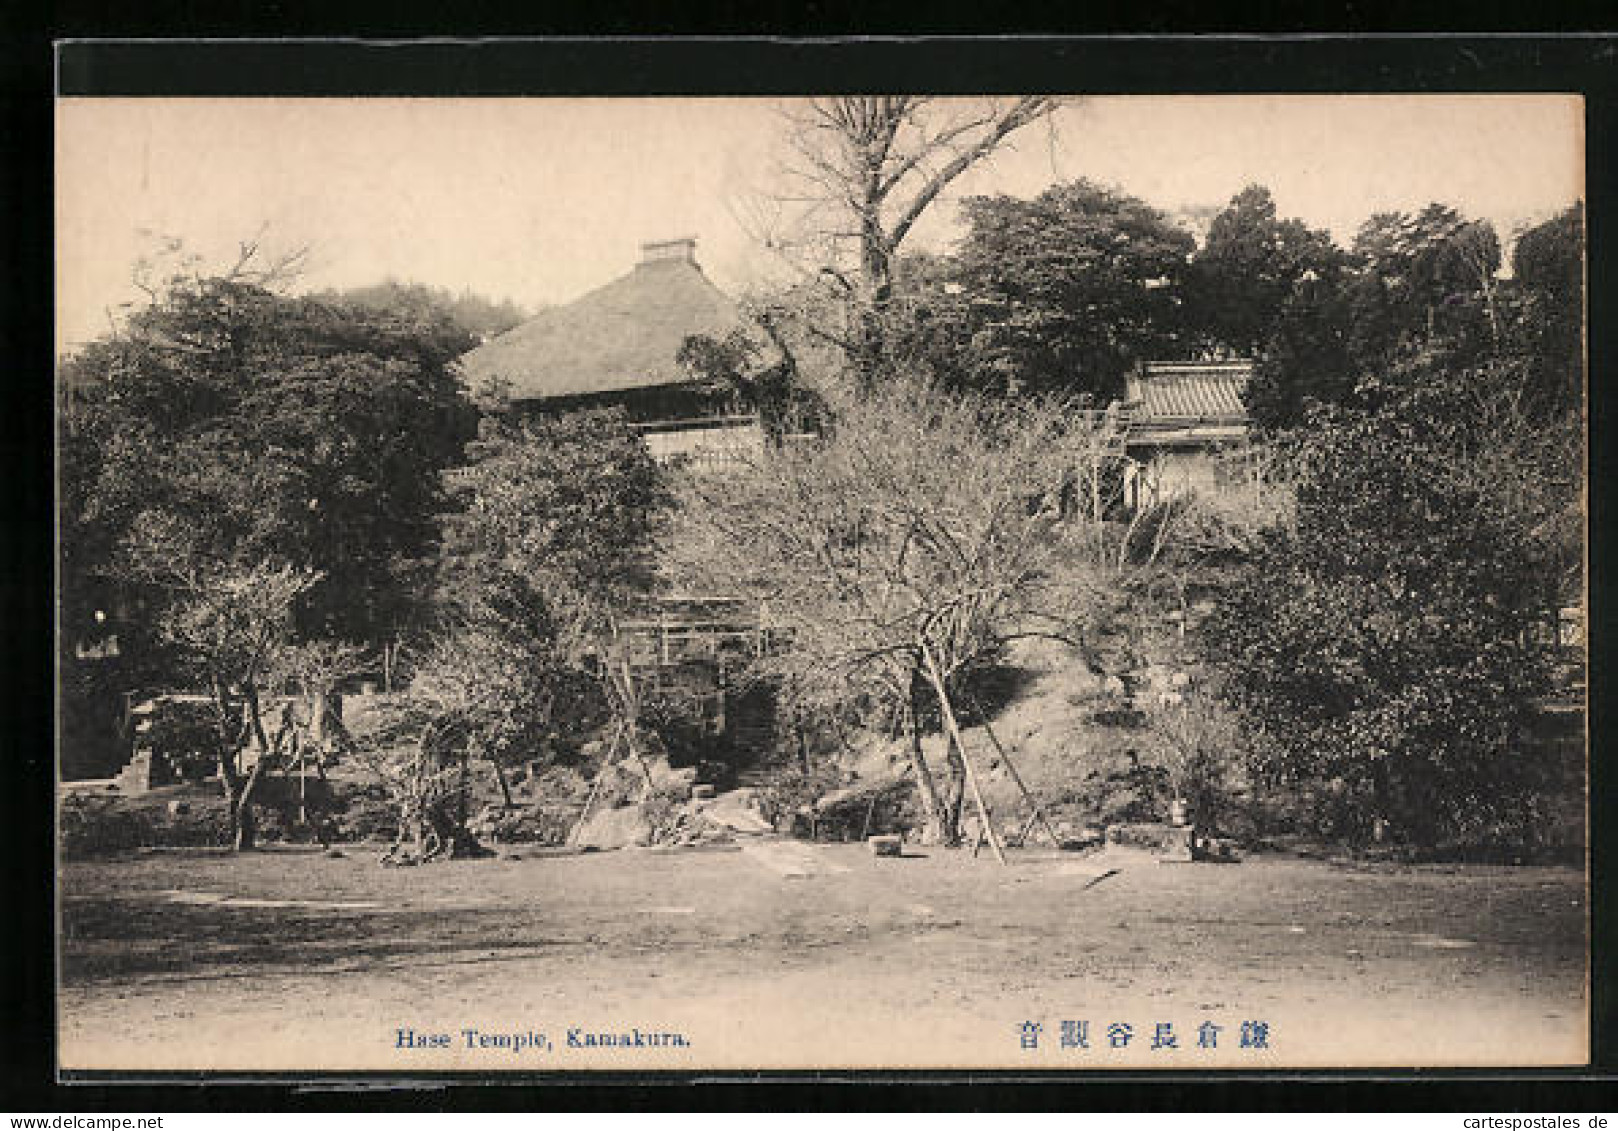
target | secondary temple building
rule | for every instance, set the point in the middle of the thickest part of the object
(1187, 429)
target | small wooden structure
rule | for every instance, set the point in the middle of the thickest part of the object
(1187, 428)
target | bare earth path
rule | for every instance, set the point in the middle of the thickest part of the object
(285, 960)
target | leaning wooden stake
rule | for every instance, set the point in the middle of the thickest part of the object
(1022, 834)
(631, 715)
(955, 736)
(1005, 758)
(595, 786)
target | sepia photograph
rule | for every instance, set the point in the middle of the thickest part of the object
(1030, 583)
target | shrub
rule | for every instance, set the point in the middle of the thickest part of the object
(790, 789)
(665, 810)
(1200, 748)
(366, 813)
(883, 807)
(93, 826)
(1384, 647)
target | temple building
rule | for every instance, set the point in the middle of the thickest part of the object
(618, 345)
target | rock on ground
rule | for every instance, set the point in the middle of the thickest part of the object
(616, 828)
(738, 810)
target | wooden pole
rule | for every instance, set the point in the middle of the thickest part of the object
(595, 786)
(1039, 812)
(870, 810)
(631, 715)
(960, 746)
(1022, 834)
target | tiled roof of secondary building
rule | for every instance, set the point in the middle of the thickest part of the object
(1180, 392)
(622, 336)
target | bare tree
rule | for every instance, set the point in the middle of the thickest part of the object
(859, 173)
(905, 552)
(167, 265)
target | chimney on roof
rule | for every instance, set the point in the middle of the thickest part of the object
(1135, 385)
(682, 250)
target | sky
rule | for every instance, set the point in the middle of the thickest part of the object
(541, 200)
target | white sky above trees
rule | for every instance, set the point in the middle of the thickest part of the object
(540, 200)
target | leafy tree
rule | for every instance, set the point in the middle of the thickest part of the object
(1548, 269)
(473, 314)
(1414, 284)
(758, 382)
(1070, 289)
(1385, 649)
(1424, 277)
(278, 428)
(229, 622)
(1249, 268)
(1307, 356)
(570, 503)
(549, 548)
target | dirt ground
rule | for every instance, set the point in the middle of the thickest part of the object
(792, 955)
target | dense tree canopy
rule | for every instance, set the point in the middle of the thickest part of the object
(1548, 269)
(478, 316)
(567, 505)
(1070, 289)
(1416, 283)
(1250, 269)
(273, 428)
(1390, 646)
(549, 545)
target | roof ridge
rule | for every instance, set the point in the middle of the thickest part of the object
(624, 334)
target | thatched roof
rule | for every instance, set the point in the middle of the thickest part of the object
(622, 336)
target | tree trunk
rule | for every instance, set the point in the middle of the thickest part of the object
(956, 801)
(230, 781)
(244, 823)
(243, 820)
(229, 752)
(463, 791)
(870, 332)
(505, 788)
(934, 831)
(953, 732)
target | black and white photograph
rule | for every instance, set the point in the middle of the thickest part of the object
(1021, 582)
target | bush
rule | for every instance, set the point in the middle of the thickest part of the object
(890, 805)
(664, 810)
(1383, 649)
(183, 738)
(679, 720)
(1200, 748)
(366, 813)
(93, 826)
(789, 789)
(532, 824)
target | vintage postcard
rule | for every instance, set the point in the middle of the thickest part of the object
(856, 582)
